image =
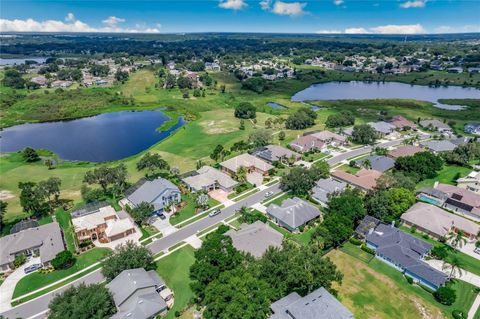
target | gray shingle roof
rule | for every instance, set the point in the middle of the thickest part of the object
(319, 304)
(206, 176)
(439, 145)
(382, 127)
(145, 306)
(151, 190)
(378, 162)
(294, 212)
(326, 186)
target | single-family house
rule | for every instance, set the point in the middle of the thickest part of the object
(255, 239)
(40, 80)
(46, 241)
(275, 153)
(376, 162)
(293, 213)
(473, 70)
(307, 143)
(331, 138)
(405, 253)
(326, 187)
(382, 128)
(207, 179)
(139, 294)
(405, 150)
(460, 200)
(364, 179)
(438, 146)
(317, 304)
(455, 70)
(471, 182)
(248, 161)
(472, 128)
(437, 222)
(435, 125)
(365, 225)
(212, 66)
(402, 124)
(158, 192)
(460, 140)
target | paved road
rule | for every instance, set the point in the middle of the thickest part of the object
(36, 308)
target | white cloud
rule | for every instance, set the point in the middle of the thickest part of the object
(71, 25)
(70, 17)
(112, 21)
(328, 31)
(413, 4)
(338, 2)
(290, 9)
(356, 31)
(232, 4)
(265, 4)
(399, 29)
(458, 29)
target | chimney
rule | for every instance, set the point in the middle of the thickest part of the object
(370, 231)
(435, 185)
(393, 224)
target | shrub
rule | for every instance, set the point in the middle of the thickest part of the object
(368, 249)
(409, 280)
(355, 241)
(458, 314)
(19, 260)
(445, 295)
(63, 260)
(439, 252)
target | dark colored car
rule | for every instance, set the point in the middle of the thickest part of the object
(32, 268)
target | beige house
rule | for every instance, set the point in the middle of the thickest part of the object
(470, 182)
(249, 162)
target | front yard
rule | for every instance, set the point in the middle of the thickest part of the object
(190, 209)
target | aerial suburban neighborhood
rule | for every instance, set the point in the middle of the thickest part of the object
(224, 160)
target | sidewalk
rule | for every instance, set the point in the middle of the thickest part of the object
(8, 286)
(474, 308)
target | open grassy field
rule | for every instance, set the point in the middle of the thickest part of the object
(371, 287)
(37, 280)
(174, 269)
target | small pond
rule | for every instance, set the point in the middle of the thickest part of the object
(21, 61)
(276, 106)
(100, 138)
(386, 90)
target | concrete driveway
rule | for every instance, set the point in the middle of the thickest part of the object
(163, 226)
(219, 195)
(8, 286)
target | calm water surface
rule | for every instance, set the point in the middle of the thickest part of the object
(388, 90)
(21, 61)
(105, 137)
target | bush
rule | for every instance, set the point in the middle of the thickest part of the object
(63, 260)
(368, 249)
(355, 241)
(458, 314)
(19, 260)
(439, 252)
(245, 110)
(409, 280)
(445, 295)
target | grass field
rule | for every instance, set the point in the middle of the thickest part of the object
(189, 210)
(373, 287)
(174, 269)
(37, 280)
(448, 175)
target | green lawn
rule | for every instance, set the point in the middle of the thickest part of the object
(349, 169)
(147, 231)
(65, 220)
(278, 200)
(174, 269)
(448, 175)
(469, 263)
(301, 238)
(37, 280)
(398, 284)
(189, 210)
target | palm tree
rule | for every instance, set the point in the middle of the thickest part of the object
(457, 239)
(241, 174)
(455, 266)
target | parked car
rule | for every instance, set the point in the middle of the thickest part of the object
(214, 212)
(162, 217)
(477, 250)
(32, 268)
(268, 194)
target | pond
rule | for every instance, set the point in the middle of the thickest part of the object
(386, 90)
(276, 106)
(100, 138)
(21, 61)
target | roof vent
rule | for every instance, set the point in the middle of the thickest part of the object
(140, 301)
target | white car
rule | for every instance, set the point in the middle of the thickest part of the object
(268, 194)
(214, 212)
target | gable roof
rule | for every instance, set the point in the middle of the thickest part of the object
(327, 136)
(293, 212)
(144, 306)
(246, 160)
(48, 238)
(439, 145)
(378, 162)
(306, 143)
(317, 304)
(405, 150)
(437, 220)
(365, 178)
(325, 187)
(255, 238)
(382, 127)
(149, 190)
(273, 153)
(206, 176)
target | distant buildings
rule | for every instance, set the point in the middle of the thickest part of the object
(382, 128)
(293, 213)
(307, 143)
(435, 125)
(401, 123)
(45, 241)
(472, 128)
(316, 305)
(438, 146)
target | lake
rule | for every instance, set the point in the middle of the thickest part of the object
(21, 61)
(100, 138)
(385, 90)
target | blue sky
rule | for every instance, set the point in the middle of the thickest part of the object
(321, 16)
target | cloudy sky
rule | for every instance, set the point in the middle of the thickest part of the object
(282, 16)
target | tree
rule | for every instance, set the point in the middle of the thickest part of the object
(301, 119)
(105, 176)
(364, 134)
(49, 163)
(242, 125)
(31, 200)
(99, 70)
(334, 231)
(82, 301)
(281, 135)
(245, 110)
(454, 264)
(127, 256)
(121, 76)
(170, 81)
(260, 138)
(201, 200)
(300, 180)
(184, 82)
(344, 118)
(445, 295)
(255, 84)
(237, 294)
(3, 210)
(152, 163)
(141, 212)
(389, 205)
(395, 180)
(50, 189)
(216, 255)
(12, 78)
(63, 260)
(463, 154)
(457, 239)
(439, 252)
(30, 155)
(420, 165)
(251, 216)
(216, 152)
